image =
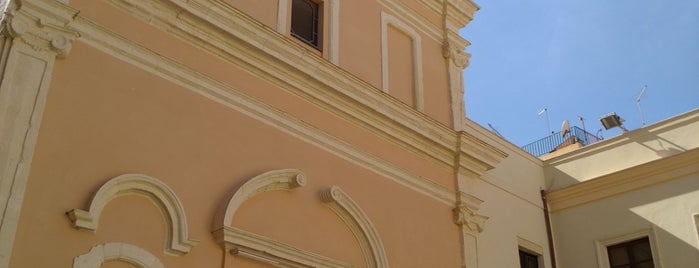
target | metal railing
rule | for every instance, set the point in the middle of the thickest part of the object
(556, 141)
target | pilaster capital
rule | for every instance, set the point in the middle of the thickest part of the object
(458, 57)
(42, 25)
(466, 214)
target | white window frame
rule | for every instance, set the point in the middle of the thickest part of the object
(333, 20)
(601, 245)
(532, 248)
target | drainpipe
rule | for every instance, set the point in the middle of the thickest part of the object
(547, 218)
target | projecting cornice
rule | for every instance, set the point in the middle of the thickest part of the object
(475, 155)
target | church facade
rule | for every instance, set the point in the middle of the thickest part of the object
(299, 133)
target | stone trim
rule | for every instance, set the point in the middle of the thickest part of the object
(112, 44)
(33, 36)
(333, 26)
(276, 180)
(602, 244)
(246, 244)
(178, 241)
(242, 243)
(635, 178)
(117, 251)
(273, 58)
(418, 91)
(360, 225)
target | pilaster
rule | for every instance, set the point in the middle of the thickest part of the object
(455, 15)
(473, 158)
(34, 34)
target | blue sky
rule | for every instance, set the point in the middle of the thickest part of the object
(580, 58)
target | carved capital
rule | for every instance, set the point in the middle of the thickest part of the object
(458, 57)
(466, 216)
(40, 30)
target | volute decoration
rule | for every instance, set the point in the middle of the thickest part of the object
(458, 57)
(42, 35)
(465, 214)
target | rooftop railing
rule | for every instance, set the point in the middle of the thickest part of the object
(556, 141)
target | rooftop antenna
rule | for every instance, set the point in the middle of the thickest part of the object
(582, 121)
(548, 124)
(638, 102)
(495, 130)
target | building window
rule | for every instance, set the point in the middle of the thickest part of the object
(631, 254)
(304, 21)
(528, 260)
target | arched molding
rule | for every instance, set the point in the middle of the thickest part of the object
(353, 216)
(276, 180)
(117, 251)
(177, 238)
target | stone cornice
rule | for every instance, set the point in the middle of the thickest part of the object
(639, 177)
(238, 38)
(125, 50)
(475, 155)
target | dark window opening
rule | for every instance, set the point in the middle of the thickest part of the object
(304, 22)
(528, 260)
(631, 254)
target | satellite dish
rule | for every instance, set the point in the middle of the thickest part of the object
(565, 128)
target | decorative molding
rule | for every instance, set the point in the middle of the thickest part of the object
(353, 216)
(41, 28)
(282, 16)
(457, 56)
(602, 244)
(117, 251)
(333, 23)
(33, 35)
(243, 243)
(239, 242)
(415, 19)
(530, 246)
(276, 180)
(277, 60)
(631, 179)
(114, 45)
(159, 193)
(334, 31)
(466, 216)
(418, 90)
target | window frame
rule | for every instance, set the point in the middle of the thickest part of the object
(603, 244)
(528, 247)
(318, 23)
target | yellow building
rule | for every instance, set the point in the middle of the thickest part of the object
(298, 133)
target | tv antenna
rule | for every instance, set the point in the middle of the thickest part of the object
(638, 102)
(495, 130)
(548, 124)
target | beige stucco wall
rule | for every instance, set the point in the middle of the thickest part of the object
(666, 210)
(513, 203)
(652, 142)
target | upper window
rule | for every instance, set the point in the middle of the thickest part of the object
(304, 21)
(528, 260)
(631, 254)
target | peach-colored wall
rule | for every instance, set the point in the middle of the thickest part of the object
(253, 85)
(400, 66)
(120, 119)
(264, 11)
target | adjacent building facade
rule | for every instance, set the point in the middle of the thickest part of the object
(299, 133)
